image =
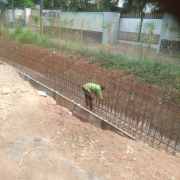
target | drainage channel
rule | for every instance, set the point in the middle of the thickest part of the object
(77, 110)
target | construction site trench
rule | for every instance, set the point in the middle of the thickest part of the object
(147, 117)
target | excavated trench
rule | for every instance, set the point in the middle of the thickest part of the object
(148, 118)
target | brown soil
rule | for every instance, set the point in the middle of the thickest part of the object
(40, 140)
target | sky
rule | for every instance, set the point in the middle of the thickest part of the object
(121, 3)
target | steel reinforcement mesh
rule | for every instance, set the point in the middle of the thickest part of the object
(138, 109)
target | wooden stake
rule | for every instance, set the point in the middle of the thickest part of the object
(150, 34)
(7, 21)
(59, 29)
(42, 31)
(16, 21)
(82, 32)
(29, 23)
(149, 38)
(4, 19)
(110, 33)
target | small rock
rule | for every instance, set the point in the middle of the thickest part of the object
(70, 113)
(6, 91)
(81, 138)
(24, 90)
(5, 117)
(160, 102)
(27, 83)
(42, 93)
(15, 91)
(37, 138)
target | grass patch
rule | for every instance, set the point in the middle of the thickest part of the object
(157, 72)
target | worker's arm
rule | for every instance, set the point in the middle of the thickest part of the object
(99, 94)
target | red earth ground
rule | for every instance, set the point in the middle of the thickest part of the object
(40, 140)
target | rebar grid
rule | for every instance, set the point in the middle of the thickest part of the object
(148, 116)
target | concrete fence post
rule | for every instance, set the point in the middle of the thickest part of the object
(163, 30)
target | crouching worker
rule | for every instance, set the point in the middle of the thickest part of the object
(90, 88)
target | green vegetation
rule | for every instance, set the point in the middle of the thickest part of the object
(50, 4)
(161, 73)
(19, 35)
(23, 3)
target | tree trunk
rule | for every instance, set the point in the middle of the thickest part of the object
(130, 4)
(142, 16)
(140, 29)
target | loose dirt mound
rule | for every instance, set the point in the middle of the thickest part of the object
(40, 140)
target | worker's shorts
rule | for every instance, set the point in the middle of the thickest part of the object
(87, 94)
(88, 98)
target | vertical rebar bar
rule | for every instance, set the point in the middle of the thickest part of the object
(59, 29)
(82, 33)
(42, 31)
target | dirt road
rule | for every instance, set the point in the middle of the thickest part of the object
(42, 141)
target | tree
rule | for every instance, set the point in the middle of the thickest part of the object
(81, 5)
(158, 7)
(133, 6)
(86, 5)
(52, 3)
(108, 5)
(23, 3)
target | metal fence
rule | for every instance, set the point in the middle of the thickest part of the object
(147, 111)
(146, 15)
(135, 38)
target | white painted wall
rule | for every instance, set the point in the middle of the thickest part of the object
(92, 21)
(165, 33)
(131, 24)
(51, 13)
(157, 23)
(172, 22)
(18, 12)
(48, 13)
(108, 17)
(27, 13)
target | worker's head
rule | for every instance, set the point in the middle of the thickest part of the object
(102, 87)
